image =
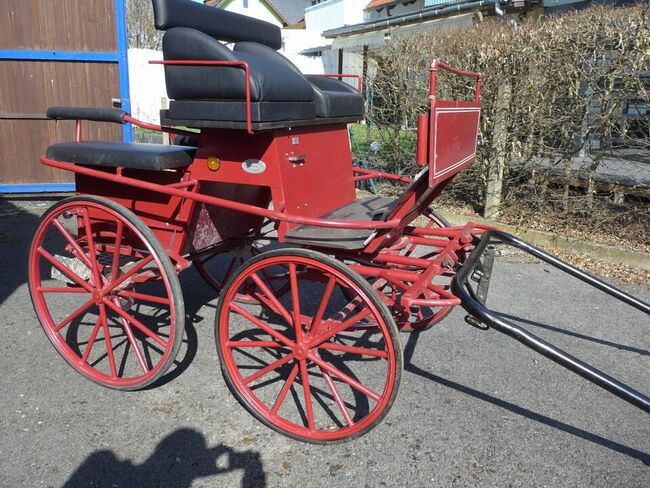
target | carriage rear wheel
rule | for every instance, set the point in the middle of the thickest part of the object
(106, 292)
(216, 268)
(319, 363)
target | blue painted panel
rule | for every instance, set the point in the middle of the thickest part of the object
(122, 52)
(120, 57)
(38, 188)
(97, 57)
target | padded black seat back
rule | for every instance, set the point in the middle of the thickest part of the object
(217, 23)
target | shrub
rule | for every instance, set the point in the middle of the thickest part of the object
(571, 80)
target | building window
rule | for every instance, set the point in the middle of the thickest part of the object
(245, 3)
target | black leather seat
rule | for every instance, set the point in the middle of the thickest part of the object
(333, 98)
(219, 93)
(279, 91)
(153, 157)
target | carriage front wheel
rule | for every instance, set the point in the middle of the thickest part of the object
(106, 292)
(320, 362)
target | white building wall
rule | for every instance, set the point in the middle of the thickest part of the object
(255, 9)
(293, 42)
(401, 9)
(334, 13)
(147, 84)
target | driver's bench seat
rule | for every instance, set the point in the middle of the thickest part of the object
(279, 91)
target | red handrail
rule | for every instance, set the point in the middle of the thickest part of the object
(437, 64)
(222, 202)
(236, 64)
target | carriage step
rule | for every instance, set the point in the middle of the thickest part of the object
(370, 208)
(78, 267)
(73, 264)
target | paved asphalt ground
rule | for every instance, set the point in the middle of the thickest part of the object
(475, 408)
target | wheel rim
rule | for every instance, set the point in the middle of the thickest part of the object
(334, 376)
(102, 295)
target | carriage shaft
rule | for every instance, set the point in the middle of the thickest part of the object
(491, 318)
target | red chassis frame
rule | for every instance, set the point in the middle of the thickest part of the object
(168, 204)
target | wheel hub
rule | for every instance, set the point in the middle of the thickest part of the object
(300, 352)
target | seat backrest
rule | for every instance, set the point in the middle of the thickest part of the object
(215, 22)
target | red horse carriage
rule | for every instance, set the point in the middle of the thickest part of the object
(314, 284)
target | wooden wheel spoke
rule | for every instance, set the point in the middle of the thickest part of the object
(327, 294)
(107, 340)
(277, 306)
(74, 315)
(62, 289)
(285, 389)
(337, 396)
(91, 341)
(274, 365)
(361, 351)
(92, 253)
(317, 341)
(139, 325)
(243, 344)
(345, 378)
(135, 269)
(115, 266)
(144, 297)
(306, 391)
(265, 327)
(64, 269)
(295, 301)
(134, 345)
(80, 253)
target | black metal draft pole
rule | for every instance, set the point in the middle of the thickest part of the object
(478, 310)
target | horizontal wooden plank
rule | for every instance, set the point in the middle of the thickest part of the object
(33, 86)
(67, 25)
(23, 116)
(24, 141)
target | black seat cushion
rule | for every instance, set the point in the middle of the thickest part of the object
(271, 81)
(216, 22)
(235, 111)
(333, 97)
(154, 157)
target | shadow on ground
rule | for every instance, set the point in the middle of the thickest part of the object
(409, 349)
(17, 226)
(179, 459)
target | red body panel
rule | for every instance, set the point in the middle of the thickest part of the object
(453, 130)
(158, 210)
(316, 170)
(305, 172)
